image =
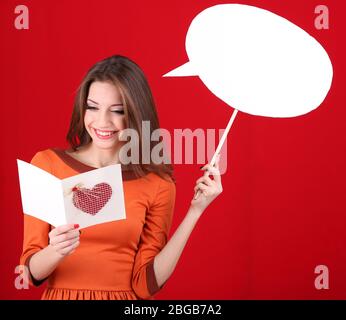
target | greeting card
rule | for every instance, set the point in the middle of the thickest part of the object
(88, 198)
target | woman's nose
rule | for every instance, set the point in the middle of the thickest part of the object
(103, 119)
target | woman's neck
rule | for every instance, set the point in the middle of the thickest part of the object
(97, 157)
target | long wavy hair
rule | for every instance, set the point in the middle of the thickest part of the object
(138, 103)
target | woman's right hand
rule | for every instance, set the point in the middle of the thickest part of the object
(64, 239)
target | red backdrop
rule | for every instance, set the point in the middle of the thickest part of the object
(282, 211)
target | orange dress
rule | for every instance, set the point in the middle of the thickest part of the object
(114, 260)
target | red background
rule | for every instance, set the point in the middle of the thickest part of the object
(282, 211)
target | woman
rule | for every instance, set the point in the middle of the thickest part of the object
(124, 259)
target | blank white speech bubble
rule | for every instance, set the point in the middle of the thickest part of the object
(256, 61)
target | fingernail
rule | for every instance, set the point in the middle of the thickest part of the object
(76, 225)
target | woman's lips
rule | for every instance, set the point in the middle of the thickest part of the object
(104, 134)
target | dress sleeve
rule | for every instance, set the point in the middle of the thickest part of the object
(35, 230)
(153, 238)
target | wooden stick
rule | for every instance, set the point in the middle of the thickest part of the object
(221, 142)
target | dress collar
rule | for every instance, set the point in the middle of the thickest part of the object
(82, 167)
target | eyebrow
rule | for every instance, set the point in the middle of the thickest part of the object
(116, 104)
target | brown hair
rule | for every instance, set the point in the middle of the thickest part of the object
(138, 102)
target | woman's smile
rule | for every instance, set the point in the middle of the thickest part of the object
(104, 134)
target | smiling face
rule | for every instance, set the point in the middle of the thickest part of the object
(104, 115)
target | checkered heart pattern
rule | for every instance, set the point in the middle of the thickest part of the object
(91, 201)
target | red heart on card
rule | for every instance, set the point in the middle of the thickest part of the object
(91, 200)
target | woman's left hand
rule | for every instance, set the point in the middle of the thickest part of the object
(207, 189)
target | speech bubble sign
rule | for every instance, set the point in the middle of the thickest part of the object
(256, 61)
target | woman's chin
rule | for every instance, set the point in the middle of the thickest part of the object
(105, 145)
(112, 143)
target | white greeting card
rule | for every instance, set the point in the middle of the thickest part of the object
(88, 198)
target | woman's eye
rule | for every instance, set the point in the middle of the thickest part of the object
(118, 111)
(90, 108)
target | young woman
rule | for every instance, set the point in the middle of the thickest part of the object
(124, 259)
